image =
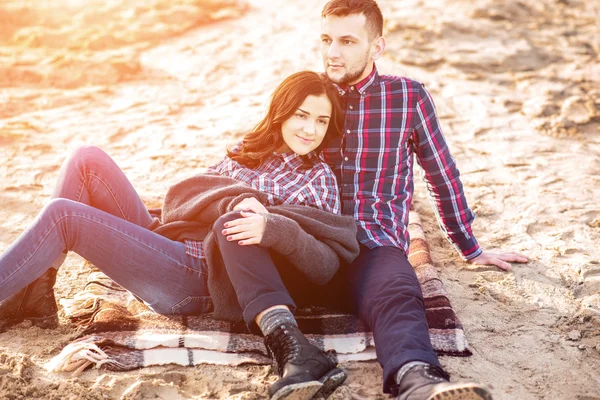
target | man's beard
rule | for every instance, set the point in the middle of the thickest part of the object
(351, 76)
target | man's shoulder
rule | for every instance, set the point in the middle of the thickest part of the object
(401, 82)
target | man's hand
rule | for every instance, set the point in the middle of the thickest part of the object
(499, 259)
(248, 230)
(251, 204)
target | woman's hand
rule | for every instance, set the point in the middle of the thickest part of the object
(248, 230)
(252, 204)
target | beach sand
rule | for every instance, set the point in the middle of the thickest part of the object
(165, 86)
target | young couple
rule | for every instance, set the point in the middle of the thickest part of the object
(272, 214)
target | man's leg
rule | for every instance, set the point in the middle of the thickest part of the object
(304, 369)
(384, 290)
(253, 274)
(386, 293)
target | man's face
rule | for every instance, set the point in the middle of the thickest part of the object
(346, 48)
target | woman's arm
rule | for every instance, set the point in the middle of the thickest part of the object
(317, 259)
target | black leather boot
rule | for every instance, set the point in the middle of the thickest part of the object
(306, 372)
(34, 302)
(429, 382)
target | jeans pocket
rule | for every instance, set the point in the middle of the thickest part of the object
(193, 306)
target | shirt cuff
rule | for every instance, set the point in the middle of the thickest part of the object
(470, 249)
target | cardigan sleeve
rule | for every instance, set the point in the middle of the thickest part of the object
(317, 260)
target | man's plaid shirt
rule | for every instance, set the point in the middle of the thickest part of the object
(388, 119)
(284, 182)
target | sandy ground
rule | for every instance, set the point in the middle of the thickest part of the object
(517, 87)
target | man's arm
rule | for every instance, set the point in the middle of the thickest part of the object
(445, 188)
(442, 178)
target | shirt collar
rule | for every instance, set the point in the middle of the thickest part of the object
(293, 159)
(363, 86)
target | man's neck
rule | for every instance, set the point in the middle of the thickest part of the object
(365, 73)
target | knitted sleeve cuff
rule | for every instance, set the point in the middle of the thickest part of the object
(280, 233)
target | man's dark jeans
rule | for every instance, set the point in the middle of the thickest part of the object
(253, 274)
(380, 286)
(383, 290)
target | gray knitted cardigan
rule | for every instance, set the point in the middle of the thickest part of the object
(312, 240)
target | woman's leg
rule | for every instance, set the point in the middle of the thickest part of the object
(152, 267)
(90, 176)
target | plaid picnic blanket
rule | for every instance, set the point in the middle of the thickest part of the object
(121, 333)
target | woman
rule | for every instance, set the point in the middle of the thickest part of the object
(250, 249)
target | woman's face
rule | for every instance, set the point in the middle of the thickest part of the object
(305, 129)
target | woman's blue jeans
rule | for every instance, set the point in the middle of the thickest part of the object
(96, 213)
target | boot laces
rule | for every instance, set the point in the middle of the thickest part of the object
(282, 347)
(435, 372)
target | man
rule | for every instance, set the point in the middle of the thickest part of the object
(388, 119)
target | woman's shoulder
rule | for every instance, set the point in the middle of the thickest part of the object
(319, 170)
(319, 165)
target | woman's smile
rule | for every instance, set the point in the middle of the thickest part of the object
(305, 140)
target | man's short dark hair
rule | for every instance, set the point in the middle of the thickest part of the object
(341, 8)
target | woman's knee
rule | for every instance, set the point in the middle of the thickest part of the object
(86, 153)
(56, 212)
(58, 206)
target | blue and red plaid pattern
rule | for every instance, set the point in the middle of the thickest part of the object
(388, 119)
(194, 248)
(283, 181)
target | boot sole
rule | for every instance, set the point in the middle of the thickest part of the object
(48, 322)
(462, 392)
(331, 381)
(321, 389)
(298, 391)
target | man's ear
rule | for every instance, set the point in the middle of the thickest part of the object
(377, 47)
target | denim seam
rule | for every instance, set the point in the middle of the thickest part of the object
(185, 302)
(105, 225)
(109, 190)
(80, 191)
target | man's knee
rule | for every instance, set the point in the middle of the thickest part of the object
(383, 269)
(386, 283)
(400, 284)
(219, 224)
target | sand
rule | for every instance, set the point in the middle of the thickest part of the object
(164, 86)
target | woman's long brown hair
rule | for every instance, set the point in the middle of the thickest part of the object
(259, 144)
